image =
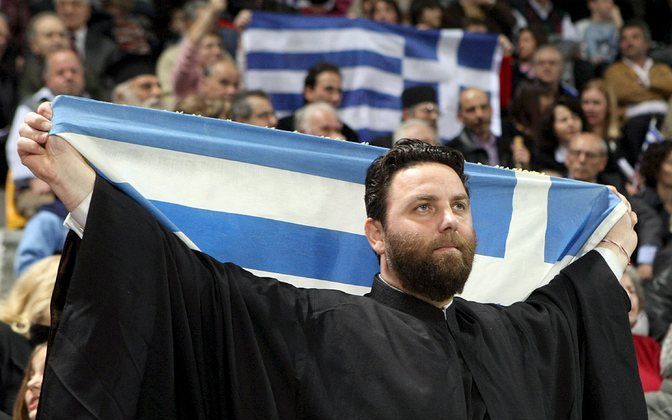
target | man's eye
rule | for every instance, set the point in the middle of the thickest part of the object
(460, 205)
(423, 207)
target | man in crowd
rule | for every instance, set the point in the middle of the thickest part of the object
(476, 141)
(96, 50)
(221, 80)
(323, 83)
(253, 107)
(319, 119)
(416, 129)
(136, 84)
(211, 340)
(587, 159)
(63, 75)
(642, 87)
(46, 33)
(548, 66)
(417, 102)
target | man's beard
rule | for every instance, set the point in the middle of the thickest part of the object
(422, 272)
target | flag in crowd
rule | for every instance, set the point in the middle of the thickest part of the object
(378, 61)
(290, 206)
(653, 135)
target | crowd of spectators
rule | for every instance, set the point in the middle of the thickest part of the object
(585, 94)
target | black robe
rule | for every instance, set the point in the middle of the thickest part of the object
(146, 328)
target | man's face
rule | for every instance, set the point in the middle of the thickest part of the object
(147, 89)
(65, 75)
(50, 35)
(327, 89)
(74, 13)
(223, 82)
(210, 49)
(426, 111)
(325, 124)
(429, 240)
(547, 65)
(263, 113)
(475, 112)
(586, 157)
(420, 132)
(633, 43)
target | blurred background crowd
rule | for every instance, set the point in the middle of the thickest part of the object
(585, 90)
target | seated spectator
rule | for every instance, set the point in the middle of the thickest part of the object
(9, 69)
(96, 51)
(44, 235)
(63, 75)
(647, 350)
(131, 29)
(599, 33)
(426, 14)
(587, 160)
(496, 15)
(561, 123)
(386, 11)
(476, 141)
(165, 65)
(28, 397)
(319, 119)
(526, 45)
(46, 33)
(531, 100)
(253, 107)
(204, 107)
(659, 403)
(547, 18)
(656, 169)
(642, 87)
(598, 103)
(417, 102)
(547, 66)
(220, 80)
(418, 130)
(136, 83)
(201, 46)
(24, 323)
(323, 83)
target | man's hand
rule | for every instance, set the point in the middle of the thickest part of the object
(622, 239)
(53, 160)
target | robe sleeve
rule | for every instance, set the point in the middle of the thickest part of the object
(143, 327)
(586, 310)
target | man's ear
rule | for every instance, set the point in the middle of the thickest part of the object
(375, 235)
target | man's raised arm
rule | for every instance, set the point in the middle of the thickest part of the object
(53, 160)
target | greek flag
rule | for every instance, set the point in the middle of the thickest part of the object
(378, 61)
(291, 206)
(653, 135)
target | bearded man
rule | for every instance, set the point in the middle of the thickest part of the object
(147, 328)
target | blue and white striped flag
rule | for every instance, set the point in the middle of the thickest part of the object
(653, 135)
(378, 61)
(291, 206)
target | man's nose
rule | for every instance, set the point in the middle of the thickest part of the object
(448, 221)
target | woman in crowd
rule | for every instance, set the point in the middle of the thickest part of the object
(28, 397)
(647, 350)
(559, 125)
(386, 11)
(599, 105)
(24, 323)
(526, 45)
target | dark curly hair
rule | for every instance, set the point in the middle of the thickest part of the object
(652, 160)
(405, 153)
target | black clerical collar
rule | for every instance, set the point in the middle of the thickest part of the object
(397, 299)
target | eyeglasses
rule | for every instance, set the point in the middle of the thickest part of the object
(589, 155)
(428, 109)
